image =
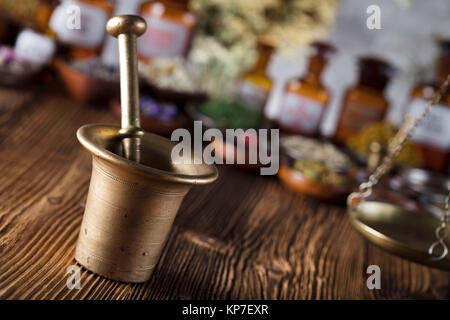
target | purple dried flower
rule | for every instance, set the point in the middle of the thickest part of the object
(149, 107)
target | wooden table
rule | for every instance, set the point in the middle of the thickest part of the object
(242, 237)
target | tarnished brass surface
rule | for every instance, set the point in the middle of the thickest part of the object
(131, 206)
(135, 189)
(127, 28)
(407, 234)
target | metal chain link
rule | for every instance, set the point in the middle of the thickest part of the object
(441, 234)
(395, 146)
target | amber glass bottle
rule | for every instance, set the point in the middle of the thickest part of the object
(364, 103)
(432, 136)
(53, 17)
(169, 28)
(29, 13)
(254, 86)
(306, 99)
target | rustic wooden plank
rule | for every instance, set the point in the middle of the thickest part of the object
(242, 237)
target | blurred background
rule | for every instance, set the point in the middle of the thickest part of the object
(344, 71)
(408, 39)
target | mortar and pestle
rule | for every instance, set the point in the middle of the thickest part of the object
(135, 189)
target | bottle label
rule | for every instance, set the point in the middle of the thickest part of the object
(251, 94)
(434, 130)
(301, 113)
(163, 38)
(34, 47)
(79, 24)
(356, 116)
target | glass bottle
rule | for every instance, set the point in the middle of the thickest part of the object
(169, 29)
(364, 103)
(79, 24)
(29, 13)
(306, 99)
(432, 136)
(254, 86)
(83, 35)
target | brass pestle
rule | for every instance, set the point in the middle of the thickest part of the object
(126, 29)
(135, 189)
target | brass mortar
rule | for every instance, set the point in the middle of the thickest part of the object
(136, 189)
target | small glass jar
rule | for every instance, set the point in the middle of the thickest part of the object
(364, 103)
(169, 29)
(306, 99)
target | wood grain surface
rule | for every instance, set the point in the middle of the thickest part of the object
(242, 237)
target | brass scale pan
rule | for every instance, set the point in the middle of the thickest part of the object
(405, 233)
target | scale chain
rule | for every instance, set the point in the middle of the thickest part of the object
(395, 146)
(441, 234)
